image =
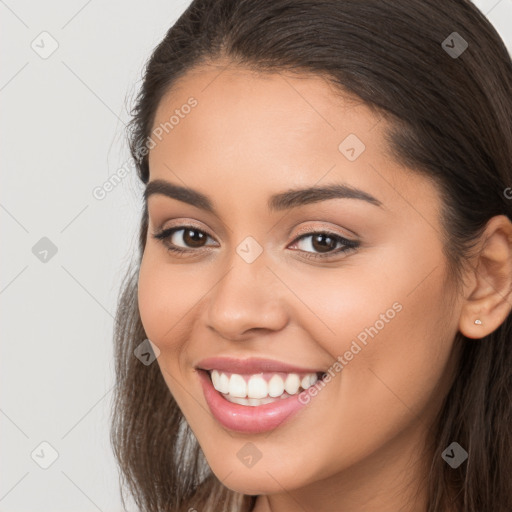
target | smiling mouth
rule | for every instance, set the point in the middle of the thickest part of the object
(261, 388)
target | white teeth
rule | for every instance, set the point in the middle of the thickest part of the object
(256, 390)
(237, 386)
(223, 383)
(275, 386)
(292, 383)
(215, 379)
(220, 381)
(257, 387)
(308, 380)
(253, 402)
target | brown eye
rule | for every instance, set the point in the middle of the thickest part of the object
(182, 238)
(193, 237)
(324, 244)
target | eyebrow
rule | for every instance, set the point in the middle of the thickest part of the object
(292, 198)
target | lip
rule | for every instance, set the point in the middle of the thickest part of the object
(251, 365)
(249, 419)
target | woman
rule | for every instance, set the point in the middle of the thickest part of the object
(325, 262)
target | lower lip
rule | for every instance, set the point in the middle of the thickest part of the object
(246, 418)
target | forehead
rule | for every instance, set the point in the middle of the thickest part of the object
(244, 108)
(269, 132)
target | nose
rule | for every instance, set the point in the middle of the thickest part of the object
(248, 298)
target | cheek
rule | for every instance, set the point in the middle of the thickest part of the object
(150, 299)
(397, 287)
(164, 299)
(394, 337)
(391, 327)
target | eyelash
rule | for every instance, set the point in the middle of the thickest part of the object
(165, 234)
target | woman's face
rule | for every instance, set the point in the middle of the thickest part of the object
(267, 282)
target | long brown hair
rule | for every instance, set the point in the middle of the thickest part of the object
(451, 119)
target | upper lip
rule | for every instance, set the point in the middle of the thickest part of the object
(251, 365)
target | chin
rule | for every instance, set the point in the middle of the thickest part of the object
(252, 485)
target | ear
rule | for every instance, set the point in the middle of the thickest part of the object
(488, 296)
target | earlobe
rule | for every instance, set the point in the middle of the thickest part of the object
(489, 302)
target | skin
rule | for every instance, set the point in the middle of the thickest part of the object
(357, 446)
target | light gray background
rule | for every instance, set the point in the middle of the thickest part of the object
(62, 134)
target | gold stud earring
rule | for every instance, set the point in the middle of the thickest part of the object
(478, 322)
